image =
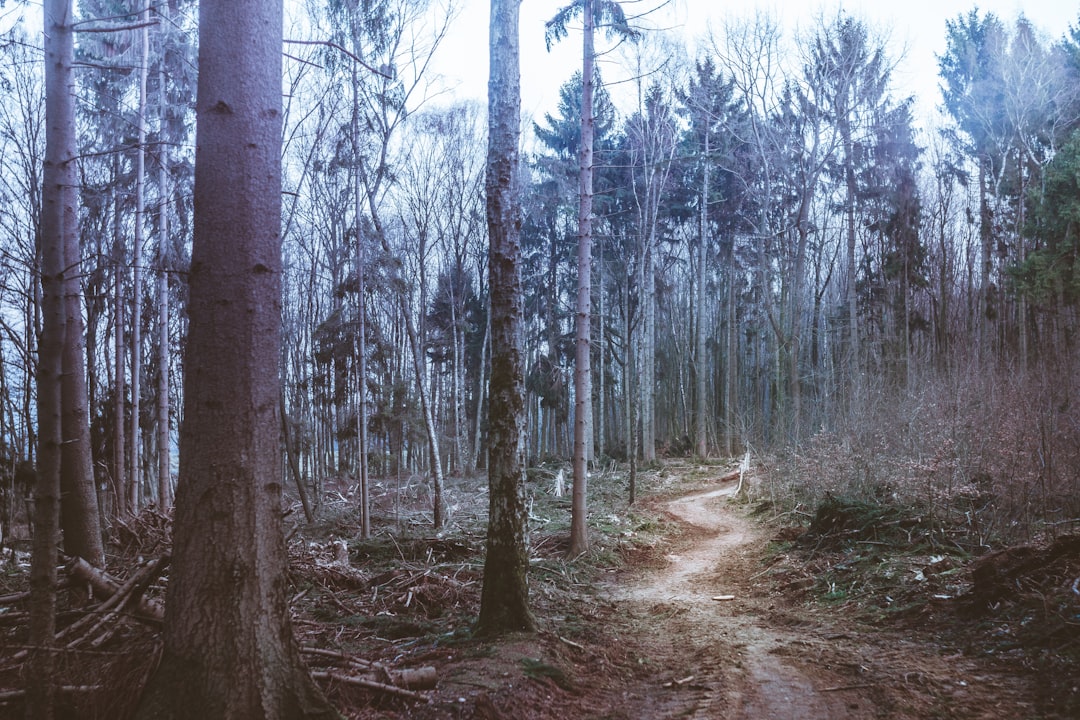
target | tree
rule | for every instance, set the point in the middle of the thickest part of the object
(504, 602)
(850, 72)
(229, 651)
(609, 15)
(59, 196)
(973, 95)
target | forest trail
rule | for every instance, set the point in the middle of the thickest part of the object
(721, 657)
(718, 634)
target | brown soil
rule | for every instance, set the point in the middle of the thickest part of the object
(661, 639)
(688, 607)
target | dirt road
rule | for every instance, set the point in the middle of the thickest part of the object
(725, 657)
(757, 656)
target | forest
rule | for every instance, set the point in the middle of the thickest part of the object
(778, 260)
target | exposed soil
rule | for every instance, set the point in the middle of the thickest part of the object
(761, 656)
(689, 606)
(660, 638)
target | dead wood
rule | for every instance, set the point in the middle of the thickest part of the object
(368, 683)
(106, 586)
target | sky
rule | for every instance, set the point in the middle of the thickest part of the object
(916, 29)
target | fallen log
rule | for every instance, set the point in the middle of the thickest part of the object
(105, 585)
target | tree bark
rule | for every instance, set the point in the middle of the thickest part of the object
(59, 188)
(701, 442)
(504, 600)
(229, 650)
(79, 517)
(361, 321)
(120, 362)
(164, 436)
(579, 532)
(135, 499)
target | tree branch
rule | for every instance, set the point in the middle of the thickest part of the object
(339, 48)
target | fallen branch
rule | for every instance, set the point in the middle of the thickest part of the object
(370, 684)
(839, 688)
(105, 586)
(9, 695)
(421, 678)
(571, 643)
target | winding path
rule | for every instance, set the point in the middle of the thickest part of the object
(721, 658)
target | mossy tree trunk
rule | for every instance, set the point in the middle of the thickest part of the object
(504, 604)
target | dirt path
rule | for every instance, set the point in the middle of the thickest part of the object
(727, 658)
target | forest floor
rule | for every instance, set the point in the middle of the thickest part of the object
(706, 599)
(701, 602)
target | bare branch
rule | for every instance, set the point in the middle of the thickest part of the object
(342, 50)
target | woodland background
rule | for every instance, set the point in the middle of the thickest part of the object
(784, 260)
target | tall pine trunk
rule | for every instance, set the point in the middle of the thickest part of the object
(59, 193)
(164, 437)
(504, 601)
(134, 437)
(229, 650)
(701, 441)
(579, 534)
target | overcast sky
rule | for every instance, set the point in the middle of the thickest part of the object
(917, 25)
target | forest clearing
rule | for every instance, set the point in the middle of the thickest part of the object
(699, 602)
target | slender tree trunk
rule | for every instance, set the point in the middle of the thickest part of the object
(135, 474)
(601, 398)
(79, 520)
(58, 218)
(120, 487)
(504, 600)
(731, 363)
(435, 461)
(579, 533)
(700, 365)
(361, 320)
(229, 650)
(648, 355)
(485, 346)
(852, 262)
(164, 436)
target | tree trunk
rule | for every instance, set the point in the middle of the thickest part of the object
(361, 321)
(229, 650)
(79, 506)
(119, 479)
(504, 600)
(59, 215)
(579, 533)
(164, 436)
(438, 506)
(700, 366)
(648, 353)
(135, 473)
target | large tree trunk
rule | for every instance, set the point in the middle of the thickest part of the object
(579, 533)
(58, 214)
(504, 601)
(229, 649)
